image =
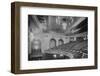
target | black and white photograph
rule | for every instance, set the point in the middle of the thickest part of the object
(52, 37)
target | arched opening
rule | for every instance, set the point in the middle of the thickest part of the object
(60, 42)
(52, 43)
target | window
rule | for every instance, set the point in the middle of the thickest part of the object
(52, 43)
(60, 42)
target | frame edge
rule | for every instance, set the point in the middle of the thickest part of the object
(14, 68)
(12, 37)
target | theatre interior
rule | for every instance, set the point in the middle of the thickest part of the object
(57, 37)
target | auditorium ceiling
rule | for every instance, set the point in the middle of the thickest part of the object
(59, 24)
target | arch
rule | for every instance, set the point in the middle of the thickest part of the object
(60, 41)
(52, 43)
